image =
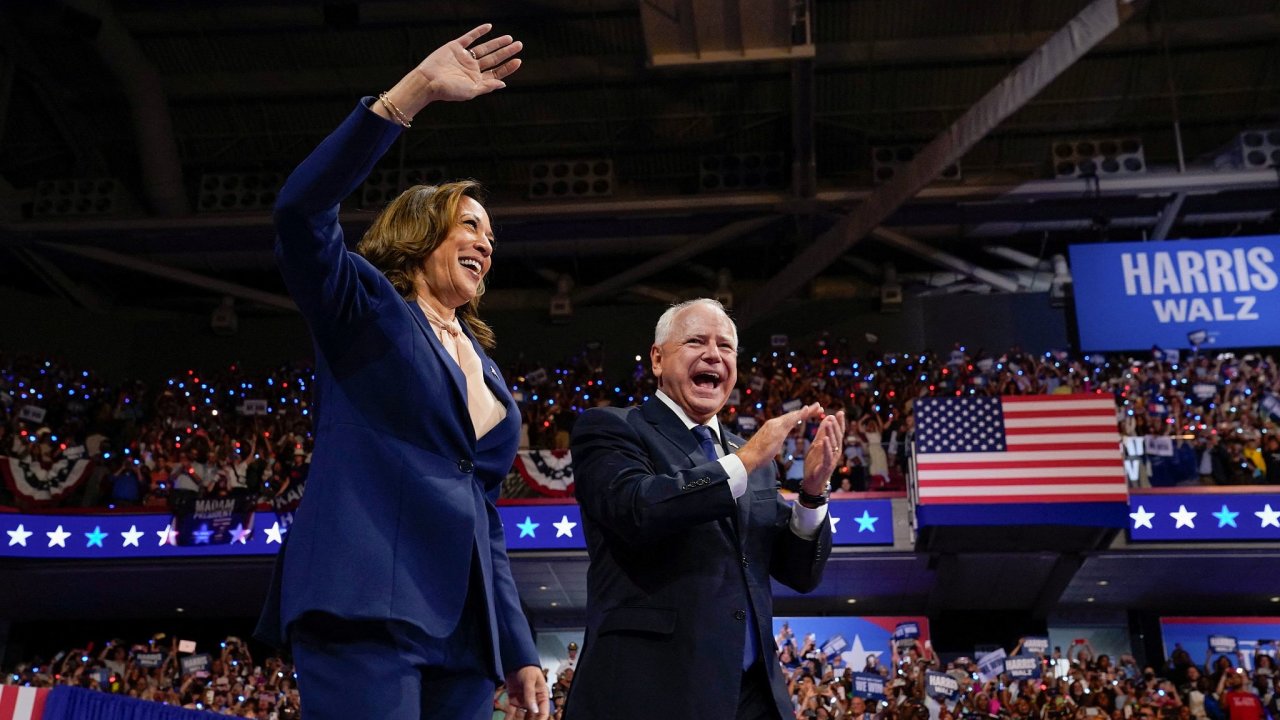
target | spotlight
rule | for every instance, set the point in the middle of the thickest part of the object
(889, 160)
(1096, 157)
(1259, 148)
(1060, 286)
(231, 192)
(561, 179)
(741, 171)
(383, 186)
(79, 197)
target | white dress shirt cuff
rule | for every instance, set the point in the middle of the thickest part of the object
(806, 521)
(737, 472)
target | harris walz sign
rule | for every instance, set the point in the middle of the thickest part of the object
(1221, 293)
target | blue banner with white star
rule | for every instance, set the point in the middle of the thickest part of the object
(559, 527)
(103, 537)
(528, 527)
(1204, 516)
(542, 527)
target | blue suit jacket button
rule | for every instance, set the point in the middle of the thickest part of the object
(739, 614)
(466, 465)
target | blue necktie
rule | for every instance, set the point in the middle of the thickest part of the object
(751, 650)
(707, 441)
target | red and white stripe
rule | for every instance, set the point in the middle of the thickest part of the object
(1059, 448)
(22, 703)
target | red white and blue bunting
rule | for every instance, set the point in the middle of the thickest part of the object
(43, 484)
(548, 473)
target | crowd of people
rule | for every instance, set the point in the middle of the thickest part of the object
(223, 434)
(233, 431)
(1077, 685)
(224, 681)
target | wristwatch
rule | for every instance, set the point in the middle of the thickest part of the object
(814, 501)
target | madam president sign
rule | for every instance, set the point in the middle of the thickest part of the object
(1132, 296)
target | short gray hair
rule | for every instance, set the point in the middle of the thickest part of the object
(662, 330)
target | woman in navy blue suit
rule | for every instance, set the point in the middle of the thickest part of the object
(394, 589)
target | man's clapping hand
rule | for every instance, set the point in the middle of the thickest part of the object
(824, 454)
(765, 444)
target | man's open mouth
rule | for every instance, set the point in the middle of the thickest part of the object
(708, 380)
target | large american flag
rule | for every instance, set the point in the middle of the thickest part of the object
(1018, 449)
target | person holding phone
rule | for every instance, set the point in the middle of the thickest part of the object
(394, 588)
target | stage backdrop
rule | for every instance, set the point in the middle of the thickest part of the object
(1222, 635)
(854, 639)
(1133, 296)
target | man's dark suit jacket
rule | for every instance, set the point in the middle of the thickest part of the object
(400, 495)
(673, 562)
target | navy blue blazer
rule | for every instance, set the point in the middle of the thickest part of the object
(400, 495)
(674, 562)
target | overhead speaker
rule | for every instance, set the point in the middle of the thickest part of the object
(1259, 149)
(742, 171)
(68, 197)
(1098, 157)
(383, 186)
(563, 179)
(238, 192)
(887, 161)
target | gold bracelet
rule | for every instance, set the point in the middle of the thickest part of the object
(395, 111)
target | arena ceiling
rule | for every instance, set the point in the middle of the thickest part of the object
(803, 146)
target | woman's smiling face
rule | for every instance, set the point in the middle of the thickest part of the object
(454, 270)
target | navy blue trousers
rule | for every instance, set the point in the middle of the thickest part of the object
(392, 670)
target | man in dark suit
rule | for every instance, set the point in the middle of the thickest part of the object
(684, 527)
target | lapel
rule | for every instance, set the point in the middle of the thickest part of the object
(445, 360)
(492, 377)
(493, 380)
(670, 427)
